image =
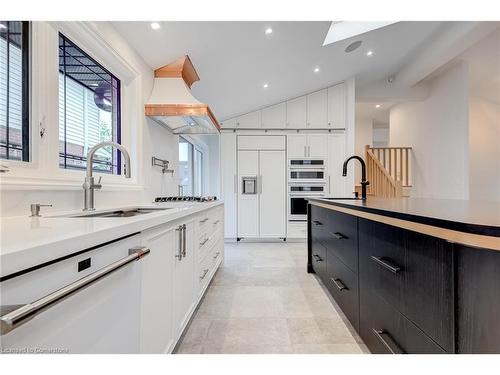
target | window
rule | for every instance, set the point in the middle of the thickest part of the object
(190, 169)
(89, 110)
(14, 90)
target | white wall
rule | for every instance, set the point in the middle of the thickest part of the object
(364, 136)
(437, 129)
(36, 181)
(381, 135)
(484, 142)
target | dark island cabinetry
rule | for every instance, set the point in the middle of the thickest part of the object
(404, 291)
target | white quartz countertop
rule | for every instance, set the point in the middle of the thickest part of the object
(26, 242)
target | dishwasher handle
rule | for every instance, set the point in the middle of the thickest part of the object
(24, 313)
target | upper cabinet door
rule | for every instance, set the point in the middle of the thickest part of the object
(249, 121)
(317, 146)
(337, 106)
(297, 146)
(274, 117)
(317, 113)
(296, 113)
(229, 123)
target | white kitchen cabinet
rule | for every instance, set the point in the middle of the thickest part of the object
(337, 106)
(248, 203)
(272, 199)
(250, 120)
(307, 146)
(274, 117)
(317, 146)
(317, 113)
(229, 123)
(229, 183)
(261, 142)
(296, 113)
(156, 306)
(337, 184)
(297, 146)
(184, 290)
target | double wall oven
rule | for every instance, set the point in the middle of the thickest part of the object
(306, 178)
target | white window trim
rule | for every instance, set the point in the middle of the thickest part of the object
(201, 146)
(44, 112)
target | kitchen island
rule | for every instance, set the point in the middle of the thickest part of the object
(411, 275)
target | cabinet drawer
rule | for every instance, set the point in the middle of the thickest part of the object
(413, 273)
(343, 286)
(385, 330)
(318, 258)
(342, 237)
(319, 220)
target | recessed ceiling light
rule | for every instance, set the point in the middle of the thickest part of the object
(316, 70)
(155, 25)
(353, 46)
(269, 31)
(265, 85)
(377, 106)
(369, 53)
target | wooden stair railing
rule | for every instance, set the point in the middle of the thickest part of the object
(397, 161)
(382, 184)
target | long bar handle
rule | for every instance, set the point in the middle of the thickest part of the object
(179, 252)
(184, 230)
(339, 284)
(386, 339)
(21, 315)
(387, 264)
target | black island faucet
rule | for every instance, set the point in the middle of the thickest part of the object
(364, 183)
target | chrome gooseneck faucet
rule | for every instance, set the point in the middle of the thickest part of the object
(364, 183)
(89, 186)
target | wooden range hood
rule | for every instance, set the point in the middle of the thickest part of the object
(172, 105)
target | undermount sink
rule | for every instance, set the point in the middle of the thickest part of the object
(123, 213)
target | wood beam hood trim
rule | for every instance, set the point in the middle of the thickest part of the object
(180, 68)
(181, 110)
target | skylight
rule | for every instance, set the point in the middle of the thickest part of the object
(346, 29)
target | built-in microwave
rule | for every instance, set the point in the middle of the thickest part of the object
(297, 201)
(309, 175)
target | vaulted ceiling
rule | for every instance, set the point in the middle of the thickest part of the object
(235, 59)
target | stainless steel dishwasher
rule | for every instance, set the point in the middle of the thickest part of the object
(88, 302)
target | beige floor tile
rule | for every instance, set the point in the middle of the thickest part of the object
(327, 349)
(256, 302)
(224, 335)
(262, 301)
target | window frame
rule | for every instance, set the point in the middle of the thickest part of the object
(25, 92)
(116, 127)
(196, 146)
(43, 172)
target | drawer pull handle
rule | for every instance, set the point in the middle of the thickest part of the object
(339, 236)
(339, 284)
(318, 258)
(386, 339)
(217, 254)
(204, 242)
(204, 220)
(216, 222)
(205, 271)
(387, 264)
(316, 222)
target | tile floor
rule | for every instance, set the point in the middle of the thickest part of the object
(263, 301)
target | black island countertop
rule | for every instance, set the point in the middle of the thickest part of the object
(477, 218)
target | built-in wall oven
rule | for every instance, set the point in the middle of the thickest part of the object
(306, 171)
(298, 194)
